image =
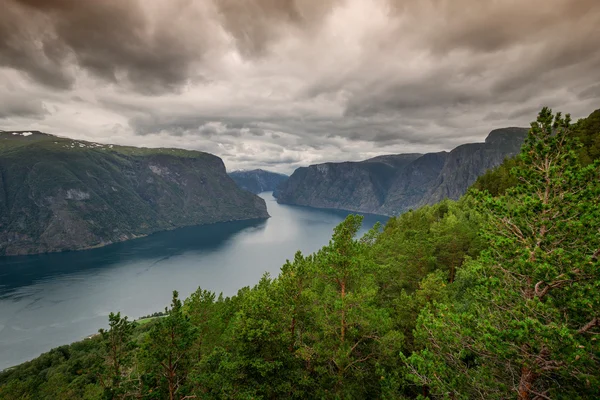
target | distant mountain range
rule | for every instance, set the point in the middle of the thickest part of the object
(61, 194)
(392, 184)
(258, 180)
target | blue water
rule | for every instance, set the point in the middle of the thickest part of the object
(55, 299)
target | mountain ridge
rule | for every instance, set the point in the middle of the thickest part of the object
(60, 194)
(392, 184)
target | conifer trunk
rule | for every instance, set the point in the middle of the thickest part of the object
(526, 383)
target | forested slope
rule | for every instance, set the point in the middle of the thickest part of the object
(492, 297)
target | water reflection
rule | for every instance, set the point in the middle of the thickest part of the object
(19, 271)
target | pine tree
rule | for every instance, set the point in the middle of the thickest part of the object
(527, 321)
(350, 331)
(118, 346)
(167, 353)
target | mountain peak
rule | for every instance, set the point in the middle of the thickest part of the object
(22, 134)
(504, 134)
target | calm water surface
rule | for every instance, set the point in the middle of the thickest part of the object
(55, 299)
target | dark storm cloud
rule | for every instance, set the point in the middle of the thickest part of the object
(487, 53)
(114, 40)
(255, 24)
(491, 26)
(25, 46)
(151, 46)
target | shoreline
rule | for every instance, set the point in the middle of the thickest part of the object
(89, 337)
(135, 237)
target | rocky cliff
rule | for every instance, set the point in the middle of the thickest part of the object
(60, 194)
(392, 184)
(258, 180)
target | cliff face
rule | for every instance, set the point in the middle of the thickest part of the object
(393, 184)
(258, 180)
(466, 163)
(353, 186)
(60, 194)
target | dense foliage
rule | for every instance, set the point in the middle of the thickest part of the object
(490, 297)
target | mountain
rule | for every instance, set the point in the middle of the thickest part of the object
(392, 184)
(258, 180)
(60, 194)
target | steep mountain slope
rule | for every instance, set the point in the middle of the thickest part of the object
(353, 186)
(60, 194)
(258, 180)
(393, 184)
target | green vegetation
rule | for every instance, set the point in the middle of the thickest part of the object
(492, 297)
(143, 321)
(148, 318)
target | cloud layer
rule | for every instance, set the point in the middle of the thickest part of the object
(284, 83)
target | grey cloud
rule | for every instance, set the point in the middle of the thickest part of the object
(494, 54)
(114, 40)
(449, 88)
(591, 92)
(490, 26)
(255, 24)
(153, 47)
(514, 115)
(25, 46)
(257, 131)
(14, 105)
(495, 116)
(145, 123)
(270, 161)
(380, 131)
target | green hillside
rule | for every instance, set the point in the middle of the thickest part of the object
(62, 194)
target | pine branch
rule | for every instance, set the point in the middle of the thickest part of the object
(593, 323)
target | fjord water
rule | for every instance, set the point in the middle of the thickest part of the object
(55, 299)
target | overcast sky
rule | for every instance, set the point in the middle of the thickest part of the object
(279, 84)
